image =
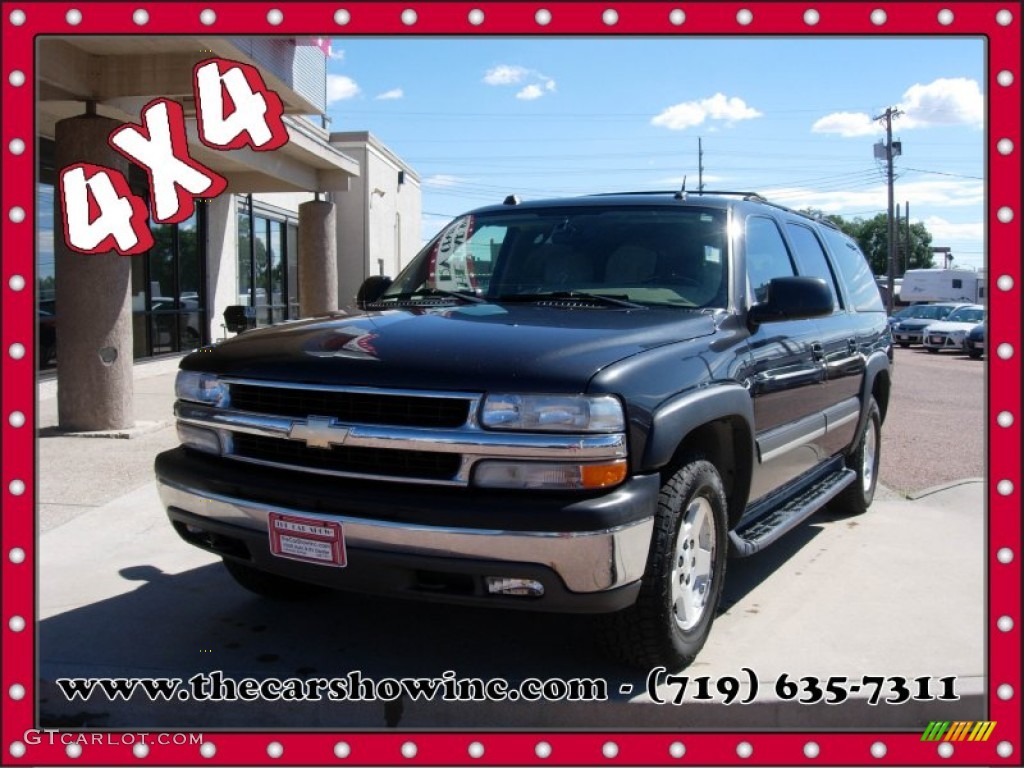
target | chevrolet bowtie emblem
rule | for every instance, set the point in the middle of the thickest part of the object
(318, 432)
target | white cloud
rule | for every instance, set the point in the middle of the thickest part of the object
(693, 113)
(847, 124)
(530, 92)
(946, 101)
(505, 74)
(341, 87)
(935, 194)
(942, 229)
(334, 55)
(443, 180)
(394, 93)
(550, 85)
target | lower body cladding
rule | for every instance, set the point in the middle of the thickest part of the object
(582, 571)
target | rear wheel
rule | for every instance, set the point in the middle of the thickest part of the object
(933, 350)
(975, 353)
(864, 460)
(270, 585)
(682, 586)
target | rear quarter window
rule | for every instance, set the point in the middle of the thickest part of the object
(854, 272)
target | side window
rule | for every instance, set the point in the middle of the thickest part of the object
(854, 271)
(810, 257)
(767, 256)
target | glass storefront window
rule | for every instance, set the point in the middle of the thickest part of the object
(292, 257)
(268, 262)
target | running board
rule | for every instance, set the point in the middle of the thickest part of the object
(753, 536)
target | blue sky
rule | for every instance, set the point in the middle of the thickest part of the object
(787, 117)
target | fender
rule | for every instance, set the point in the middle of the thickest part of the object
(876, 363)
(679, 416)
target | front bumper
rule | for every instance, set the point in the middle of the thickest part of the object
(907, 336)
(416, 546)
(943, 341)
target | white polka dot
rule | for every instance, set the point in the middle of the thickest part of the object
(17, 146)
(744, 16)
(16, 419)
(16, 351)
(16, 692)
(811, 17)
(744, 749)
(945, 749)
(74, 751)
(17, 556)
(208, 16)
(208, 749)
(275, 749)
(476, 750)
(610, 750)
(1004, 146)
(16, 214)
(677, 16)
(945, 17)
(1004, 419)
(1005, 555)
(879, 17)
(610, 17)
(1005, 283)
(275, 16)
(811, 749)
(1004, 18)
(16, 283)
(543, 750)
(17, 624)
(16, 78)
(140, 750)
(677, 749)
(1005, 78)
(878, 750)
(1005, 214)
(1005, 351)
(409, 17)
(543, 17)
(342, 17)
(476, 18)
(17, 17)
(342, 750)
(17, 749)
(1005, 624)
(1004, 487)
(1005, 692)
(16, 487)
(409, 750)
(1004, 749)
(73, 17)
(141, 18)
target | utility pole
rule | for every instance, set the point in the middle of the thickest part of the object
(889, 114)
(700, 165)
(906, 251)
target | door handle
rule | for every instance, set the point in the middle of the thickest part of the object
(817, 350)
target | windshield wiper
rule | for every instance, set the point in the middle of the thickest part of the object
(436, 292)
(600, 298)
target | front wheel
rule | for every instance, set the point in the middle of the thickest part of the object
(682, 586)
(864, 460)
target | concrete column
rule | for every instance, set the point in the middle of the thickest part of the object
(94, 303)
(318, 258)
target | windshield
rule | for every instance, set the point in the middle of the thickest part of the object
(966, 315)
(929, 312)
(614, 256)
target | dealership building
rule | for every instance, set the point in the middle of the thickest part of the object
(294, 234)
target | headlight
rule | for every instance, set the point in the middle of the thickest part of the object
(553, 413)
(203, 388)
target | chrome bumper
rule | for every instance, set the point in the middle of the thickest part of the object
(591, 561)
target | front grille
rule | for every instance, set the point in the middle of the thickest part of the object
(424, 465)
(352, 407)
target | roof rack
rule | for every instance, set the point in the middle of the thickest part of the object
(744, 195)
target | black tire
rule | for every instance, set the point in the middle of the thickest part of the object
(975, 353)
(656, 630)
(270, 585)
(864, 460)
(904, 344)
(933, 350)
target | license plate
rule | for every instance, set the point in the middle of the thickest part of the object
(936, 340)
(307, 539)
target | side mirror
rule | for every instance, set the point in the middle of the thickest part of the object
(371, 290)
(792, 298)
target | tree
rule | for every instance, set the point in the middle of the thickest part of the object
(872, 235)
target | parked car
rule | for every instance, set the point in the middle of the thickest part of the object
(974, 344)
(629, 388)
(899, 314)
(951, 332)
(910, 328)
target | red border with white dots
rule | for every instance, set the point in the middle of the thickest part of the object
(18, 491)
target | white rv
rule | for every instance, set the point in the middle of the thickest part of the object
(922, 285)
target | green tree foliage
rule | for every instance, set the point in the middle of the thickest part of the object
(872, 235)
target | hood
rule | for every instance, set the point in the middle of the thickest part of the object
(915, 323)
(469, 348)
(947, 326)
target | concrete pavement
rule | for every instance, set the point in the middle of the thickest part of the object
(896, 592)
